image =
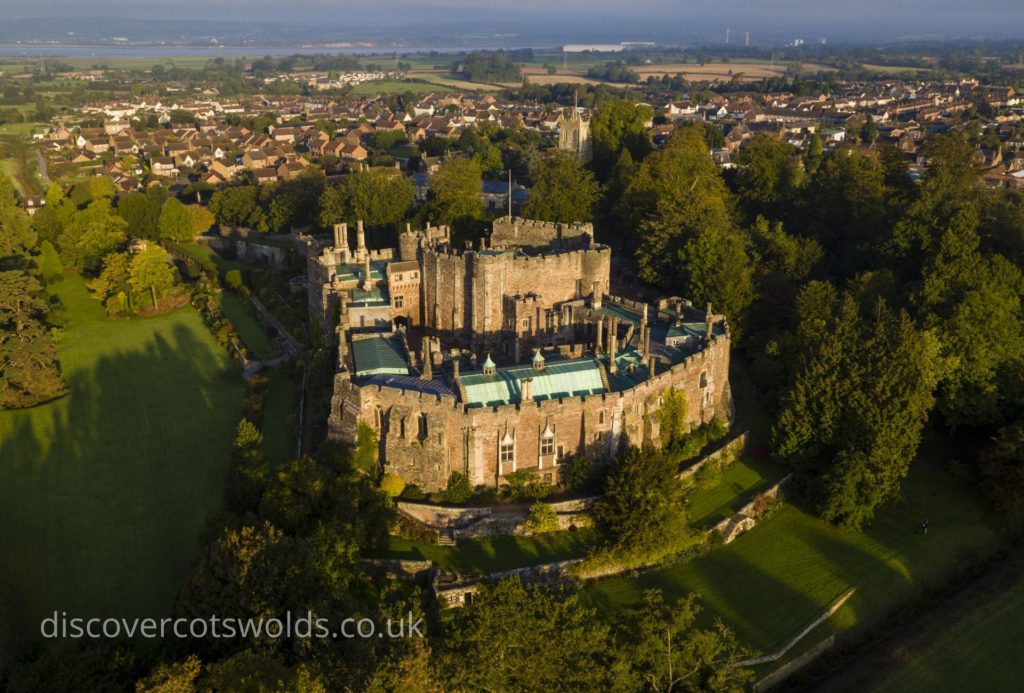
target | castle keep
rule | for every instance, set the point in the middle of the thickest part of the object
(505, 357)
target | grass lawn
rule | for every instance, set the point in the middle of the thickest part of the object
(981, 653)
(208, 257)
(781, 575)
(103, 493)
(279, 417)
(249, 329)
(730, 489)
(497, 554)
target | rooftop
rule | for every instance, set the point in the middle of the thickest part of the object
(567, 378)
(379, 355)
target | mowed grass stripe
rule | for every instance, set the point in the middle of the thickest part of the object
(103, 493)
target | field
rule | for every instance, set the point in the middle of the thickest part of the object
(103, 493)
(714, 71)
(782, 574)
(729, 490)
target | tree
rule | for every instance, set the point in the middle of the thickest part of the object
(619, 126)
(238, 206)
(380, 200)
(852, 420)
(91, 234)
(113, 281)
(175, 222)
(17, 238)
(768, 177)
(663, 650)
(454, 197)
(51, 269)
(458, 490)
(685, 237)
(29, 372)
(176, 677)
(642, 511)
(563, 190)
(1003, 467)
(542, 518)
(502, 641)
(141, 211)
(150, 272)
(672, 417)
(202, 219)
(392, 484)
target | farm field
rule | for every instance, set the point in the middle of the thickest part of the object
(103, 493)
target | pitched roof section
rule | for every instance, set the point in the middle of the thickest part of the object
(379, 355)
(569, 378)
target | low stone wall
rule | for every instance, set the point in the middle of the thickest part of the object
(441, 517)
(251, 252)
(789, 668)
(730, 449)
(747, 516)
(397, 567)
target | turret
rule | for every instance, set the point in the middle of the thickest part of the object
(489, 367)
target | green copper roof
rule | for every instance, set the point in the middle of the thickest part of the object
(621, 312)
(569, 378)
(489, 363)
(538, 357)
(379, 356)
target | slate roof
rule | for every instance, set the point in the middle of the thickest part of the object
(568, 378)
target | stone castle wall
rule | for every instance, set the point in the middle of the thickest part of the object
(451, 438)
(464, 293)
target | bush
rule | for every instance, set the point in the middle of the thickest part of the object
(458, 491)
(523, 485)
(412, 492)
(392, 485)
(234, 281)
(542, 519)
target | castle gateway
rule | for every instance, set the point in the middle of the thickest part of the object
(508, 357)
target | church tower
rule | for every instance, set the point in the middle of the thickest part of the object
(574, 134)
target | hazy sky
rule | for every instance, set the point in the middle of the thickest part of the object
(891, 17)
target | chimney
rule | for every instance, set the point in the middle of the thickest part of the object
(455, 369)
(709, 324)
(650, 364)
(525, 390)
(427, 372)
(613, 344)
(599, 339)
(367, 281)
(360, 238)
(595, 301)
(340, 236)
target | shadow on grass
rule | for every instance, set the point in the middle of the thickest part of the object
(104, 492)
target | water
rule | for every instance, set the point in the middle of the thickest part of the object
(36, 50)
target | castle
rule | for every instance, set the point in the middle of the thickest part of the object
(509, 356)
(574, 135)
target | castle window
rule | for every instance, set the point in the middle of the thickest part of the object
(547, 445)
(507, 453)
(399, 301)
(600, 417)
(398, 277)
(423, 426)
(704, 379)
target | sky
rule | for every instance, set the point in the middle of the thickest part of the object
(990, 18)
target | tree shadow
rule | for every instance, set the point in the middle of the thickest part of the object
(104, 492)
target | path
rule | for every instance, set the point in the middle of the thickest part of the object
(44, 171)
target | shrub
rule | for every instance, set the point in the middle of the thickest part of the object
(392, 485)
(413, 492)
(542, 519)
(458, 490)
(522, 484)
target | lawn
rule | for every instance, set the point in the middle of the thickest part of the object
(249, 329)
(778, 577)
(103, 493)
(730, 489)
(208, 257)
(499, 553)
(280, 418)
(980, 653)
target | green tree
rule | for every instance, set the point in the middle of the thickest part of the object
(852, 421)
(1002, 465)
(454, 197)
(202, 219)
(501, 642)
(51, 269)
(619, 126)
(380, 200)
(113, 281)
(642, 511)
(542, 518)
(768, 178)
(662, 649)
(29, 372)
(175, 222)
(142, 214)
(151, 273)
(563, 190)
(672, 417)
(91, 234)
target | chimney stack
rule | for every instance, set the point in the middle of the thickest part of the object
(595, 301)
(599, 339)
(360, 238)
(650, 364)
(525, 390)
(367, 281)
(455, 369)
(709, 325)
(427, 372)
(340, 236)
(613, 343)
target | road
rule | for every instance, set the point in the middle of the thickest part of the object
(44, 171)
